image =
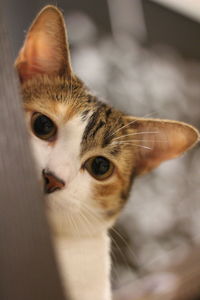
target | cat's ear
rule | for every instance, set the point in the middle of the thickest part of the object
(155, 141)
(45, 50)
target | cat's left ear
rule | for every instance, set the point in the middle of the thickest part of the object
(155, 141)
(45, 50)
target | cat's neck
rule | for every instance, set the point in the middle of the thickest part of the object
(85, 265)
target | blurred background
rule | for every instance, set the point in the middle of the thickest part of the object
(143, 58)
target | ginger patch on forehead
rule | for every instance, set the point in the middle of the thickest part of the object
(59, 112)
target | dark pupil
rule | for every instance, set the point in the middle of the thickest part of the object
(43, 125)
(100, 165)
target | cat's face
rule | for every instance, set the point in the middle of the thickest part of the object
(87, 153)
(79, 141)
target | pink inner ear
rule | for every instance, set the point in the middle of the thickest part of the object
(45, 49)
(40, 55)
(161, 140)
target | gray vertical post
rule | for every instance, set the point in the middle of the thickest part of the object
(27, 265)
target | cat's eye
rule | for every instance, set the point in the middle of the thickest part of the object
(43, 127)
(99, 167)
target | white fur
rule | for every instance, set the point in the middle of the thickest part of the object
(85, 266)
(80, 234)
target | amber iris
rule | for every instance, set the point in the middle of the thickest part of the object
(99, 167)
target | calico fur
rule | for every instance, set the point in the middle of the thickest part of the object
(81, 213)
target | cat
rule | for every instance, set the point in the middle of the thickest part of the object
(87, 155)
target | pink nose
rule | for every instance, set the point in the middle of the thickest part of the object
(51, 182)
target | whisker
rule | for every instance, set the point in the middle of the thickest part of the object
(114, 125)
(67, 220)
(93, 214)
(133, 140)
(145, 116)
(123, 127)
(86, 223)
(125, 243)
(114, 266)
(130, 143)
(123, 256)
(136, 133)
(75, 226)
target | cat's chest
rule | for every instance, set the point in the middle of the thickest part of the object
(84, 264)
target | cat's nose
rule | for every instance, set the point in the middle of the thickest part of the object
(51, 182)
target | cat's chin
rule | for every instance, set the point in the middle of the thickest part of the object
(66, 223)
(66, 217)
(57, 202)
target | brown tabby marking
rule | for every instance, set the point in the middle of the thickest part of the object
(133, 145)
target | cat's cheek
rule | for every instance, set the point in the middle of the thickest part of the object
(109, 197)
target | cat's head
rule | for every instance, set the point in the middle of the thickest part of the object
(87, 153)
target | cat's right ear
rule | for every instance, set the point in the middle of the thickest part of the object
(45, 50)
